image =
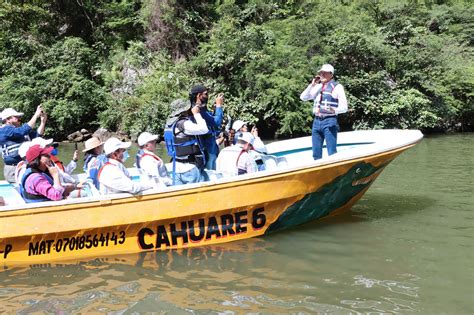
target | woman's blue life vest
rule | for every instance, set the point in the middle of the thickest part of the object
(325, 98)
(30, 198)
(182, 147)
(87, 158)
(93, 172)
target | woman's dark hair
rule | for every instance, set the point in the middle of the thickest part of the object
(90, 152)
(34, 165)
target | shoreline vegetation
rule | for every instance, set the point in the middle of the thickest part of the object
(119, 64)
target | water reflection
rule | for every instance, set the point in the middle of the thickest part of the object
(257, 275)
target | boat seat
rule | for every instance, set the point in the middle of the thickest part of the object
(273, 162)
(214, 175)
(11, 194)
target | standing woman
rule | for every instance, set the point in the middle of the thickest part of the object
(41, 180)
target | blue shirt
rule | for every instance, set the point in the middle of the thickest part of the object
(213, 123)
(11, 137)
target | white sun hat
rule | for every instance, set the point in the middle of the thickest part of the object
(23, 148)
(146, 137)
(9, 112)
(113, 144)
(41, 141)
(92, 143)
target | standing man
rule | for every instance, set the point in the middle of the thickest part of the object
(329, 101)
(182, 133)
(199, 96)
(13, 134)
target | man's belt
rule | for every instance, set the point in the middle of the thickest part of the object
(190, 159)
(324, 117)
(11, 164)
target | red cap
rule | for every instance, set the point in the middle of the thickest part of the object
(35, 151)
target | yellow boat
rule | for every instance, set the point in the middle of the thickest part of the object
(221, 210)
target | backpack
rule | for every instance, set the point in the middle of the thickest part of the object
(175, 148)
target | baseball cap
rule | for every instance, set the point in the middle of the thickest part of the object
(327, 68)
(36, 150)
(146, 137)
(199, 88)
(247, 137)
(9, 112)
(238, 124)
(113, 144)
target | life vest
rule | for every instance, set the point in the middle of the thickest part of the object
(57, 162)
(95, 167)
(240, 171)
(325, 98)
(10, 147)
(18, 168)
(182, 147)
(141, 154)
(87, 159)
(162, 171)
(28, 197)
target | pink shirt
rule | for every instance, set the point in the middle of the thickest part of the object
(37, 184)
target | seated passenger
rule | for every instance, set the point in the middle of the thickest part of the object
(113, 176)
(41, 180)
(148, 162)
(22, 165)
(92, 149)
(240, 127)
(54, 155)
(64, 172)
(236, 160)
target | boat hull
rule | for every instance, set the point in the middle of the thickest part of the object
(204, 215)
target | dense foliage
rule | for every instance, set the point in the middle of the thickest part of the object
(119, 64)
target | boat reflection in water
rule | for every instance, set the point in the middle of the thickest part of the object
(243, 276)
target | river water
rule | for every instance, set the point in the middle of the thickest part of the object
(406, 247)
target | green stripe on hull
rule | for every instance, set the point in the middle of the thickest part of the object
(327, 199)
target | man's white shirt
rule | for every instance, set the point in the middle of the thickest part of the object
(314, 93)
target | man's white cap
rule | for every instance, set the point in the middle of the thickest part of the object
(327, 68)
(146, 137)
(9, 112)
(113, 144)
(23, 148)
(247, 137)
(41, 141)
(238, 124)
